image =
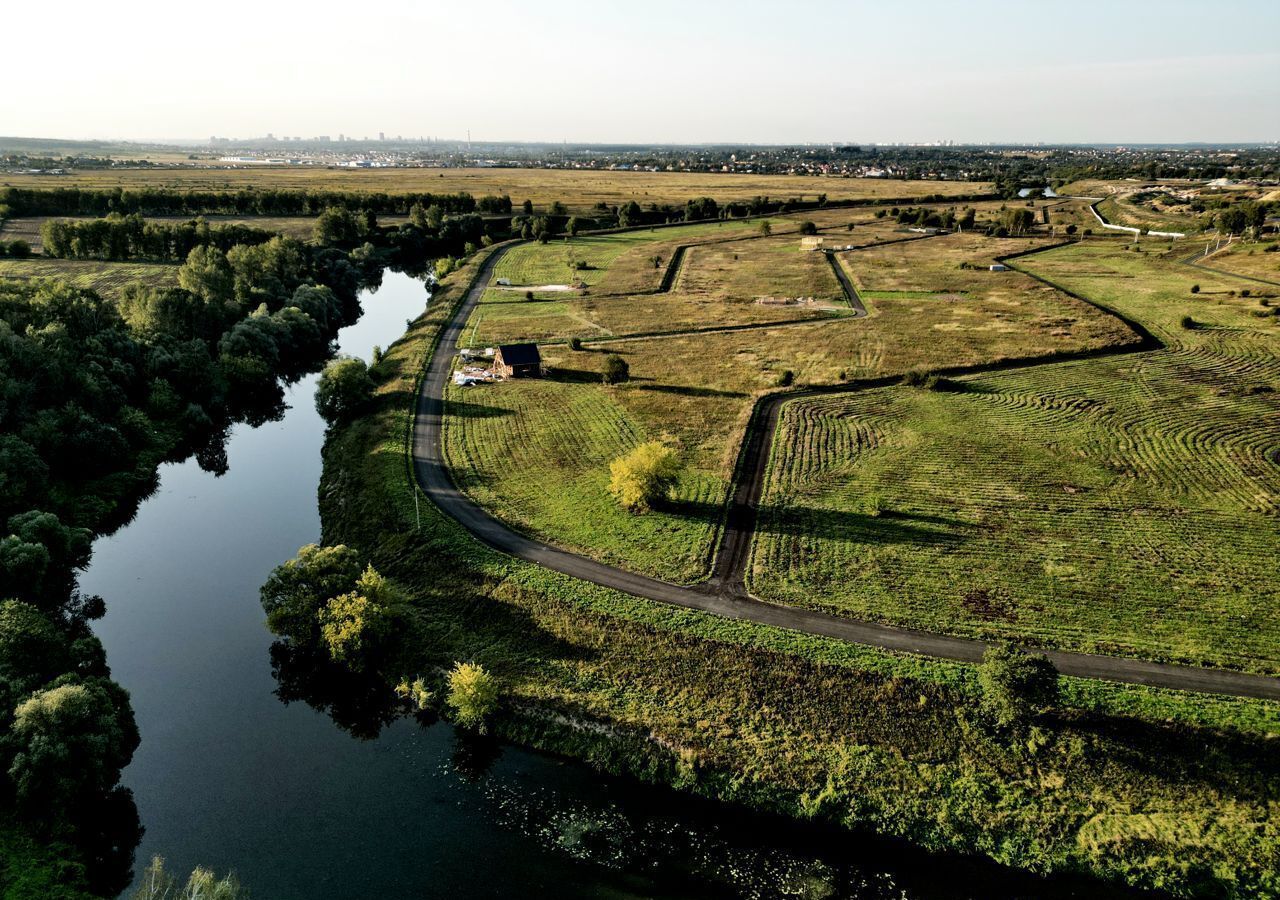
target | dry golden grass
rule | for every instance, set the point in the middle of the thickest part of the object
(576, 188)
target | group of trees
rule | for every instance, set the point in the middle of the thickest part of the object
(1240, 217)
(94, 395)
(326, 609)
(75, 201)
(121, 237)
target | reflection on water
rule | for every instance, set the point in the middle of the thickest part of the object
(231, 777)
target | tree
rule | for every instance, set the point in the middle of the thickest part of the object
(573, 226)
(644, 476)
(345, 388)
(207, 274)
(353, 627)
(656, 259)
(296, 590)
(19, 249)
(765, 228)
(338, 226)
(72, 740)
(808, 228)
(473, 695)
(1016, 685)
(616, 369)
(527, 206)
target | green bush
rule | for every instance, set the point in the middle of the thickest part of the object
(616, 369)
(1016, 685)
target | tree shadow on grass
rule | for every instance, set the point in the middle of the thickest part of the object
(464, 410)
(689, 391)
(573, 376)
(1239, 765)
(855, 527)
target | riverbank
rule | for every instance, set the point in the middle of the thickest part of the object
(802, 725)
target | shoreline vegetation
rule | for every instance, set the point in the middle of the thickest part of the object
(1113, 782)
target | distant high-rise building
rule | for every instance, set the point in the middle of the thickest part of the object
(341, 137)
(381, 136)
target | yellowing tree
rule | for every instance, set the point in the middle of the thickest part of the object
(352, 624)
(644, 476)
(473, 695)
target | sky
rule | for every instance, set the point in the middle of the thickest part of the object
(651, 72)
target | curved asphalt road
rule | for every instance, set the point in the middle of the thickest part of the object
(723, 595)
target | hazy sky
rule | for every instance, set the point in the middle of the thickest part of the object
(653, 71)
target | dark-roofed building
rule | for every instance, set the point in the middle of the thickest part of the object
(517, 361)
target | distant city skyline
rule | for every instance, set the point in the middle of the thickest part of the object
(667, 72)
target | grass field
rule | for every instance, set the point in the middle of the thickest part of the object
(695, 390)
(578, 189)
(1127, 782)
(107, 278)
(1251, 259)
(1124, 505)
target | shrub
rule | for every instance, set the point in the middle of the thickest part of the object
(616, 369)
(644, 476)
(203, 884)
(808, 228)
(916, 378)
(1189, 323)
(1195, 288)
(473, 695)
(415, 692)
(1245, 293)
(575, 343)
(765, 228)
(19, 249)
(1016, 685)
(785, 378)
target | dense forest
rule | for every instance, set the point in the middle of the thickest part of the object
(94, 395)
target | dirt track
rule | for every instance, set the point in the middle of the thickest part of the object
(724, 594)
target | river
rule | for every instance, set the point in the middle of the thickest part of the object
(231, 778)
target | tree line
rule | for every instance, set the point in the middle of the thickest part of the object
(94, 396)
(76, 201)
(120, 237)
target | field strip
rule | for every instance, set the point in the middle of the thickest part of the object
(719, 596)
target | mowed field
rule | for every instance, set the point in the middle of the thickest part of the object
(107, 278)
(723, 275)
(536, 453)
(579, 189)
(1125, 505)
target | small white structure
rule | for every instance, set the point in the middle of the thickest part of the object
(504, 282)
(999, 267)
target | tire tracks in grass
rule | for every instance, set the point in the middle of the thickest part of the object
(724, 594)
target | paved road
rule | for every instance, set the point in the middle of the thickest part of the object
(723, 594)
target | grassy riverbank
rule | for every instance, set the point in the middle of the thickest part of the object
(1118, 783)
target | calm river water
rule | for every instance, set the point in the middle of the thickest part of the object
(231, 778)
